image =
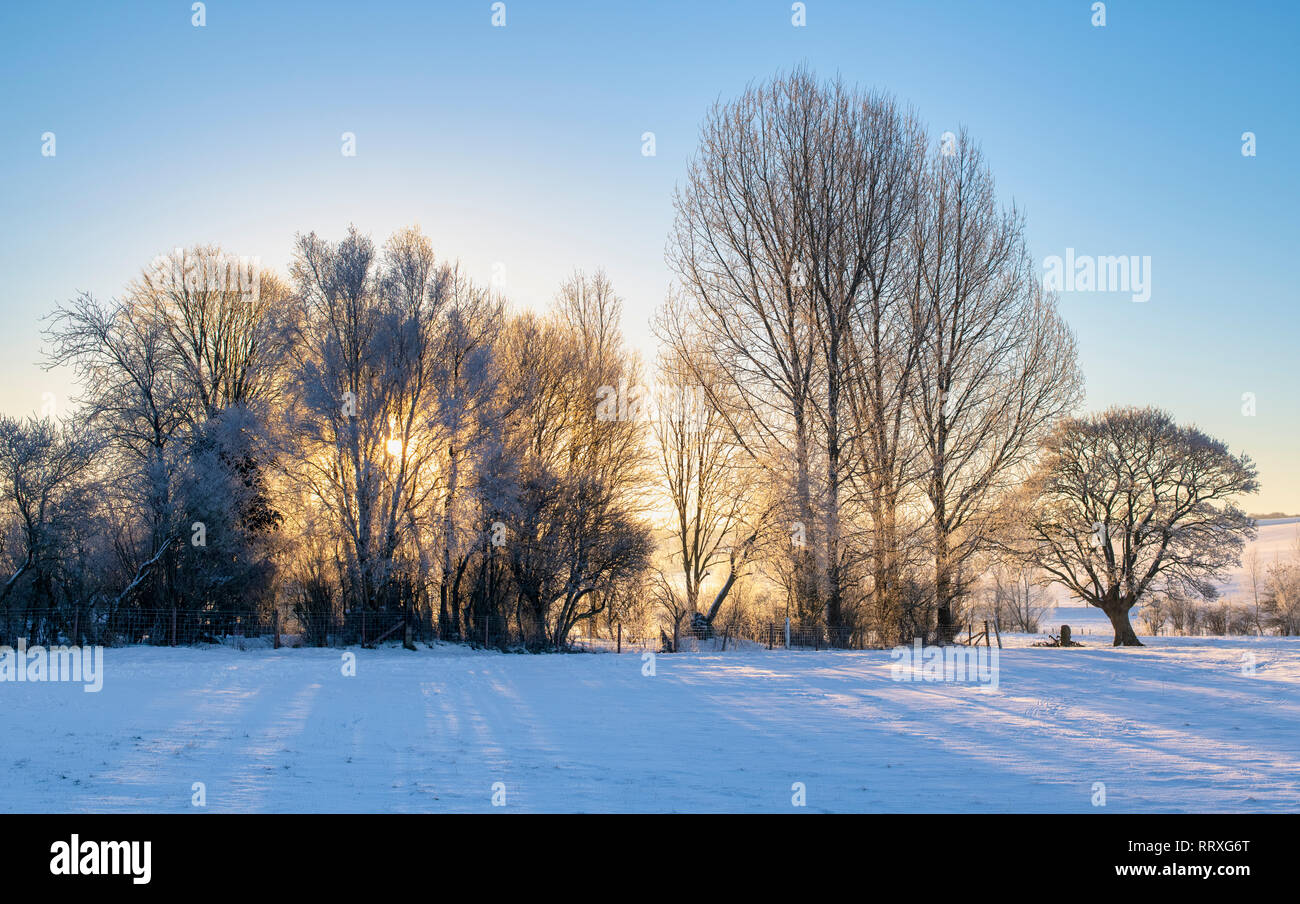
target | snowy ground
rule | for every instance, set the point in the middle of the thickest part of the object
(1175, 726)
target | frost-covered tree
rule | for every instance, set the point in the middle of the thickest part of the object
(180, 377)
(1128, 503)
(1280, 603)
(47, 498)
(363, 381)
(577, 529)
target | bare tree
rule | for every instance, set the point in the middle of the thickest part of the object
(1129, 503)
(877, 323)
(1154, 613)
(577, 529)
(365, 375)
(857, 161)
(225, 328)
(1015, 599)
(223, 322)
(133, 394)
(739, 255)
(45, 477)
(1254, 577)
(998, 366)
(704, 476)
(1281, 600)
(180, 376)
(882, 358)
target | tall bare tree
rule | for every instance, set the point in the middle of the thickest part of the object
(134, 394)
(997, 368)
(739, 255)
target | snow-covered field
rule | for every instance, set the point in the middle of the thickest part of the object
(1175, 726)
(1275, 540)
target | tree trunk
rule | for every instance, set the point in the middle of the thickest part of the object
(805, 564)
(834, 592)
(408, 641)
(947, 625)
(721, 596)
(447, 594)
(1118, 615)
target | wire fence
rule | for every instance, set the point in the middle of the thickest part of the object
(771, 634)
(296, 627)
(181, 627)
(300, 628)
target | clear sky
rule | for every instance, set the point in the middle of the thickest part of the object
(521, 147)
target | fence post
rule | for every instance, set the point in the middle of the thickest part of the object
(275, 625)
(787, 632)
(487, 621)
(620, 638)
(173, 626)
(771, 629)
(987, 642)
(76, 623)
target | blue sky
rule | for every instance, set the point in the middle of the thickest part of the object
(521, 146)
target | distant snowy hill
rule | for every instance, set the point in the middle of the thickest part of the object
(1275, 541)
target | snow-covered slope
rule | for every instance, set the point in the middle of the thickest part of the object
(1274, 541)
(1175, 726)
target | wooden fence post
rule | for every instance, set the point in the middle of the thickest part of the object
(275, 626)
(620, 638)
(173, 626)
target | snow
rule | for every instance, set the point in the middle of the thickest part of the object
(1275, 542)
(1175, 726)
